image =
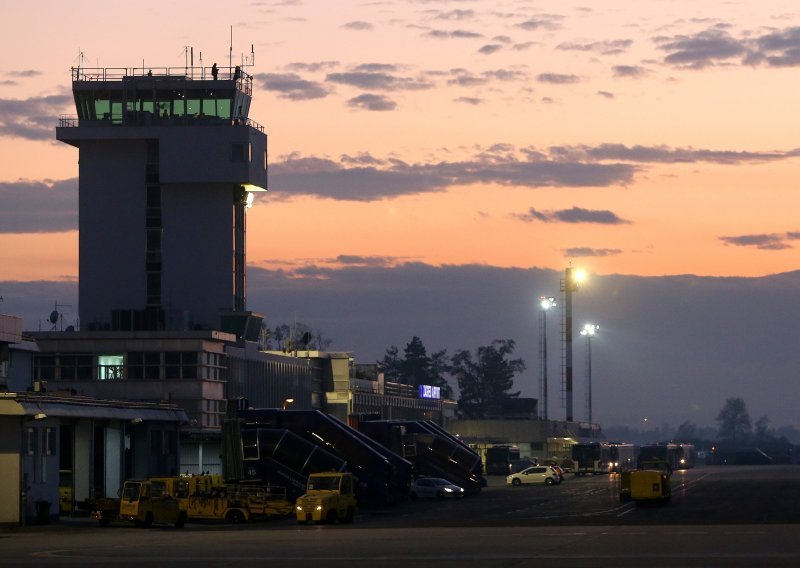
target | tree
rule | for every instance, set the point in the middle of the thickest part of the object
(298, 336)
(486, 379)
(687, 432)
(416, 365)
(391, 365)
(733, 420)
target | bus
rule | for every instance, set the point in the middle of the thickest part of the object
(678, 456)
(621, 457)
(592, 457)
(499, 459)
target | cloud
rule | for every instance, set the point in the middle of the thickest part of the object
(772, 241)
(39, 206)
(581, 252)
(464, 78)
(455, 34)
(545, 22)
(611, 47)
(456, 15)
(557, 78)
(501, 165)
(358, 26)
(715, 46)
(356, 260)
(605, 94)
(33, 118)
(24, 74)
(380, 81)
(469, 100)
(291, 86)
(572, 215)
(490, 48)
(369, 101)
(633, 71)
(313, 67)
(709, 47)
(664, 154)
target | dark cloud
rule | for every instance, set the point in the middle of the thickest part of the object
(291, 86)
(706, 48)
(557, 78)
(455, 34)
(572, 215)
(379, 81)
(612, 47)
(327, 178)
(313, 67)
(543, 22)
(464, 78)
(633, 71)
(39, 207)
(606, 94)
(490, 48)
(716, 46)
(582, 252)
(456, 15)
(356, 260)
(34, 118)
(645, 322)
(522, 46)
(358, 26)
(664, 154)
(369, 101)
(469, 100)
(772, 241)
(24, 74)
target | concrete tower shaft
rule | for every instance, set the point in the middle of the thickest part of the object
(166, 157)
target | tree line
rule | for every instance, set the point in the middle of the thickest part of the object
(485, 377)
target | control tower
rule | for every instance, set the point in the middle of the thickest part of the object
(168, 159)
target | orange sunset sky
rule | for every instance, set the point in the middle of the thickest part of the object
(641, 138)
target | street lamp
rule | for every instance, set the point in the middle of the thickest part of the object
(589, 330)
(572, 279)
(545, 303)
(287, 402)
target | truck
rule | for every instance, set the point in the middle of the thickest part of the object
(649, 483)
(143, 502)
(329, 497)
(209, 497)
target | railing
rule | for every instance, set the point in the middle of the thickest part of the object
(243, 79)
(65, 121)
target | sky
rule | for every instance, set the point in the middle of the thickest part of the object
(649, 139)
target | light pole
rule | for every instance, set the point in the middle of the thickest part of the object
(589, 330)
(287, 402)
(545, 303)
(570, 283)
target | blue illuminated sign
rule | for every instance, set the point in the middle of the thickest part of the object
(428, 391)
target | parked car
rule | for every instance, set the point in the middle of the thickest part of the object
(434, 488)
(536, 474)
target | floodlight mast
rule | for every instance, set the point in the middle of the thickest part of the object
(545, 303)
(589, 330)
(570, 283)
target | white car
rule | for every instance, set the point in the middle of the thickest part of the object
(434, 488)
(535, 474)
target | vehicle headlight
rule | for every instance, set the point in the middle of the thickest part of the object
(319, 507)
(448, 490)
(299, 508)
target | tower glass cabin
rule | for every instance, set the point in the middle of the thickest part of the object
(167, 158)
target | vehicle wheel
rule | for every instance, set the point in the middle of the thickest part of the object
(548, 481)
(440, 494)
(301, 522)
(516, 482)
(181, 520)
(331, 518)
(235, 517)
(348, 518)
(148, 521)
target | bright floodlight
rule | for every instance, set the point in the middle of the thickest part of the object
(547, 303)
(579, 275)
(590, 329)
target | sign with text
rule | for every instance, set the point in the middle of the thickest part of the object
(428, 391)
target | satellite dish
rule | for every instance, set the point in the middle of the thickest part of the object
(54, 316)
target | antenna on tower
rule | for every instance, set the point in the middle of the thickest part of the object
(230, 51)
